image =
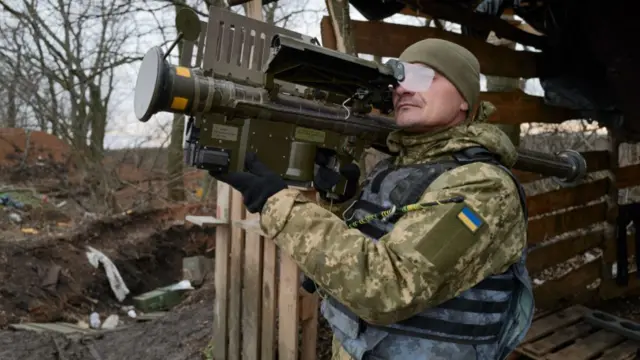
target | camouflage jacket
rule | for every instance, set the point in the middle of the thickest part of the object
(394, 278)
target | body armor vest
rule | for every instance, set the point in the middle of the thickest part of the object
(486, 321)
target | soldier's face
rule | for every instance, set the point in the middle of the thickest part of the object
(438, 107)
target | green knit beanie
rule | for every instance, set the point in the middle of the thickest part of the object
(451, 60)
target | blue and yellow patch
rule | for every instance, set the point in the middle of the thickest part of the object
(470, 219)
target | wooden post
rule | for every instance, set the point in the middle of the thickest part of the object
(609, 288)
(498, 83)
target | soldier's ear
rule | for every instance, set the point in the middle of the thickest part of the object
(464, 106)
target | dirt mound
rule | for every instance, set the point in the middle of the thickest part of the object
(15, 143)
(50, 279)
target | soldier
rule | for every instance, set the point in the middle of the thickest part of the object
(442, 278)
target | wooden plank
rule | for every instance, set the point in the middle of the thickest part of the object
(222, 251)
(548, 324)
(235, 278)
(507, 15)
(458, 14)
(628, 176)
(269, 301)
(588, 347)
(609, 289)
(253, 9)
(547, 227)
(567, 334)
(625, 351)
(557, 338)
(541, 258)
(306, 312)
(309, 318)
(250, 225)
(610, 229)
(223, 201)
(569, 287)
(327, 34)
(389, 40)
(252, 293)
(204, 221)
(58, 327)
(288, 308)
(517, 107)
(526, 177)
(567, 197)
(596, 160)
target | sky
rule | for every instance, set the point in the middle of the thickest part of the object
(124, 130)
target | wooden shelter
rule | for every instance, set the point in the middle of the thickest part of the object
(260, 308)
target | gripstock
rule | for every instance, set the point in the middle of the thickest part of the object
(280, 94)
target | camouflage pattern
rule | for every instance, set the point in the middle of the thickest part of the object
(390, 280)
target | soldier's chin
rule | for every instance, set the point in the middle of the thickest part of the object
(405, 122)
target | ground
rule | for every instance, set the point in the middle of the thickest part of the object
(45, 276)
(182, 335)
(146, 247)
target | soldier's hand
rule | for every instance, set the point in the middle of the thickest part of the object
(326, 178)
(257, 185)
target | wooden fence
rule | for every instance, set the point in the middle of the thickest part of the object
(261, 312)
(582, 218)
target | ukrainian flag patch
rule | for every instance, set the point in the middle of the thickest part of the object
(470, 219)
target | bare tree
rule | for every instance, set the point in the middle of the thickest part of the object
(14, 109)
(61, 58)
(75, 47)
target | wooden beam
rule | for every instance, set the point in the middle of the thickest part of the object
(327, 34)
(563, 198)
(547, 256)
(517, 107)
(460, 15)
(547, 227)
(568, 288)
(597, 160)
(390, 40)
(507, 16)
(628, 176)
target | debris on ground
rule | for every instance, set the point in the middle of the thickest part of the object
(52, 297)
(97, 258)
(181, 334)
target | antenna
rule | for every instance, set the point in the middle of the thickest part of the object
(188, 27)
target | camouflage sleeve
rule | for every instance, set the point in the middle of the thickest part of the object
(431, 255)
